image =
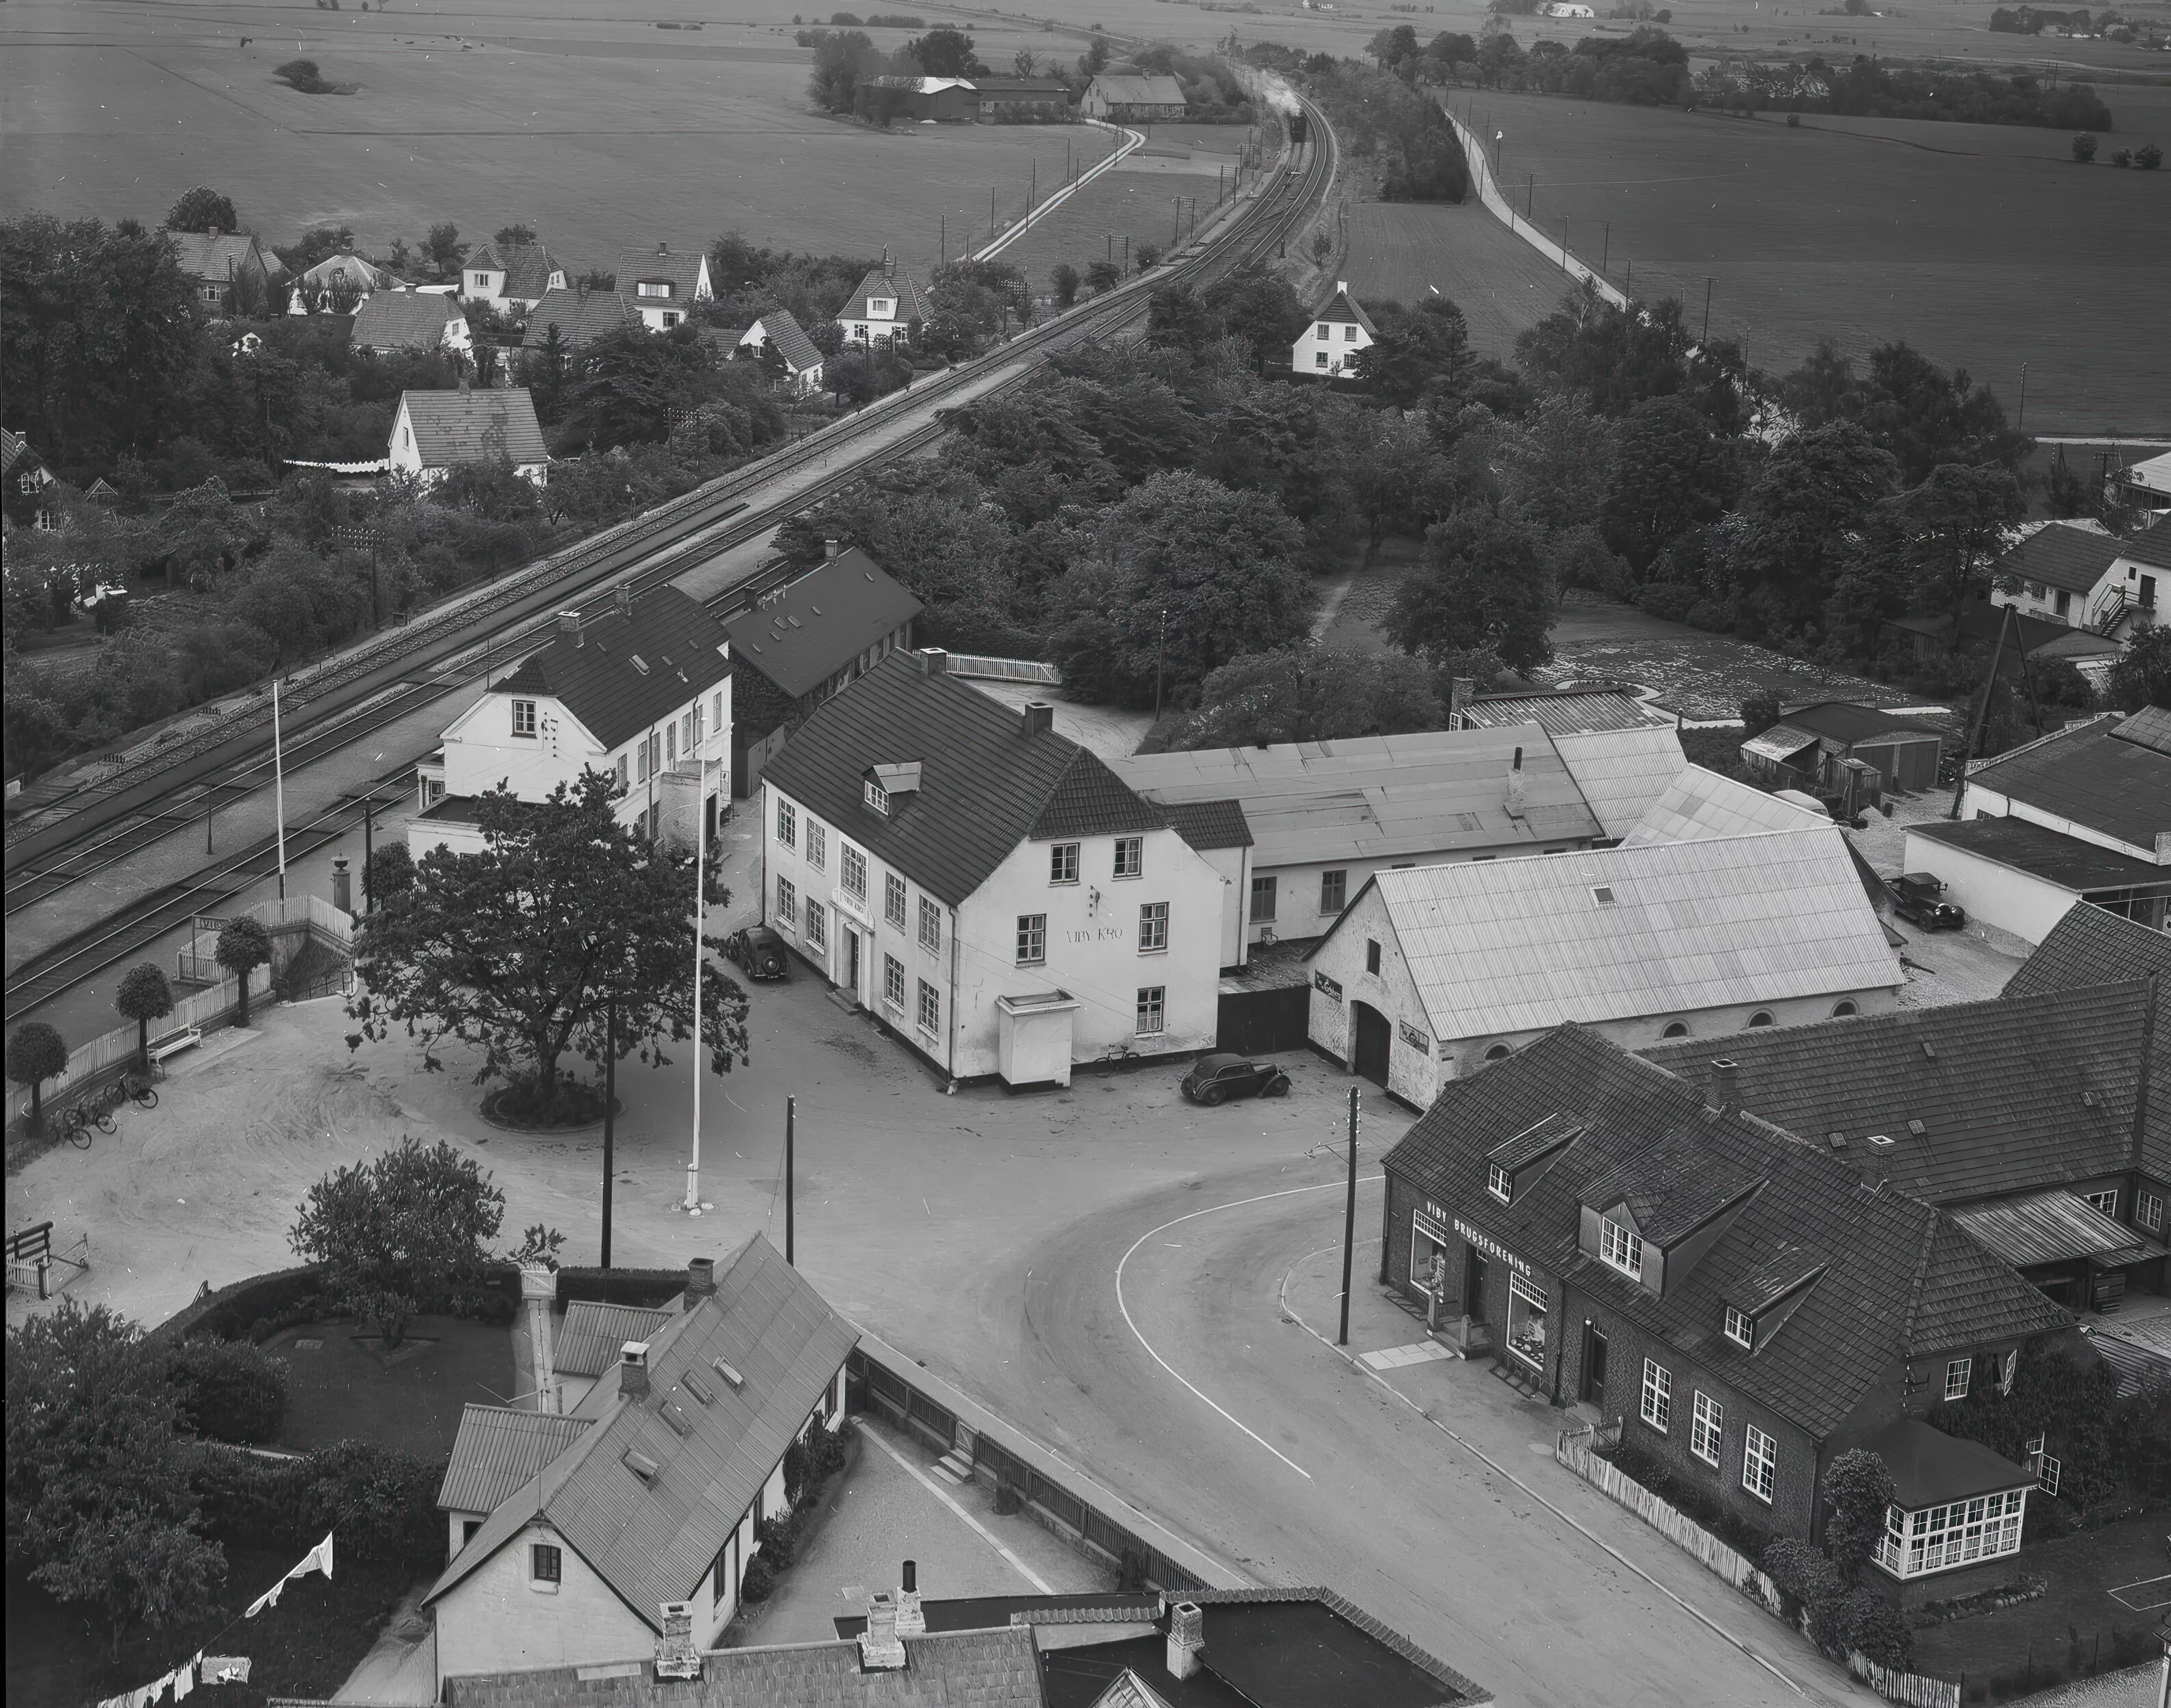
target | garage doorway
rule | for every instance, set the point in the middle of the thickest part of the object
(1375, 1037)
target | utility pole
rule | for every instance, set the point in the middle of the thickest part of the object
(943, 252)
(1605, 251)
(991, 213)
(790, 1118)
(693, 1204)
(1531, 196)
(1160, 653)
(1175, 226)
(1032, 197)
(368, 849)
(1706, 340)
(610, 1107)
(2018, 423)
(1349, 1224)
(1981, 712)
(278, 788)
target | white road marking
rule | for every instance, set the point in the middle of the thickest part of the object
(1236, 1204)
(943, 1495)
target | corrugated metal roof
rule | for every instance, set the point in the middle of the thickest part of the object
(1566, 712)
(592, 1335)
(653, 1539)
(1779, 744)
(1519, 945)
(2053, 1227)
(498, 1449)
(1700, 803)
(1621, 772)
(1377, 797)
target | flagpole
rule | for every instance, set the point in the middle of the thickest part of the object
(279, 786)
(693, 1205)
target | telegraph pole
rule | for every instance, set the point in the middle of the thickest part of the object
(1349, 1223)
(610, 1107)
(790, 1116)
(1160, 653)
(278, 788)
(1706, 340)
(693, 1204)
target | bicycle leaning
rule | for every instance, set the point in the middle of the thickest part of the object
(96, 1110)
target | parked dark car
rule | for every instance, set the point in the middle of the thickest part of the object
(1918, 895)
(758, 951)
(1218, 1078)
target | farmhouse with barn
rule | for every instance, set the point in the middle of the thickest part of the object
(641, 693)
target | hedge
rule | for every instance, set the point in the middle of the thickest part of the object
(650, 1287)
(259, 1307)
(381, 1502)
(228, 1390)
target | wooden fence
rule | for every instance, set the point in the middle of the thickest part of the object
(297, 918)
(1916, 1689)
(1004, 669)
(111, 1051)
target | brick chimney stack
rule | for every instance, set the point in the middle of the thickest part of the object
(1516, 786)
(911, 1622)
(881, 1649)
(633, 1370)
(831, 546)
(700, 1280)
(569, 626)
(1459, 692)
(622, 598)
(1186, 1639)
(676, 1657)
(1726, 1086)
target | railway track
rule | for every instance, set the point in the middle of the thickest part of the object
(169, 788)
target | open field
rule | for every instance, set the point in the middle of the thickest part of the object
(1135, 199)
(1502, 285)
(1983, 259)
(602, 133)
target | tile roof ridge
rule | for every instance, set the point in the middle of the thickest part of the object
(1932, 1217)
(1980, 766)
(2141, 1087)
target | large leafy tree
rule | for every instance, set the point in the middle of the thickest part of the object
(99, 1508)
(97, 335)
(1255, 303)
(1798, 526)
(1484, 587)
(1310, 693)
(945, 53)
(1671, 473)
(244, 945)
(144, 996)
(1397, 482)
(396, 1234)
(36, 1053)
(2143, 675)
(202, 209)
(520, 952)
(1418, 357)
(1950, 529)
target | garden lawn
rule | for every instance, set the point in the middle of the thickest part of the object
(304, 1647)
(2082, 1571)
(340, 1390)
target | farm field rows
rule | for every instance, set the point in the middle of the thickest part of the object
(1502, 285)
(602, 134)
(1982, 261)
(1135, 199)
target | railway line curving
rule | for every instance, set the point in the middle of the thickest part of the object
(161, 787)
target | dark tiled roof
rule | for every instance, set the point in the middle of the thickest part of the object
(580, 315)
(527, 267)
(499, 1448)
(2059, 554)
(2091, 946)
(2000, 1088)
(1930, 1468)
(824, 621)
(682, 267)
(1090, 800)
(877, 283)
(957, 1669)
(2029, 846)
(2150, 727)
(403, 320)
(2086, 775)
(1900, 1278)
(1669, 1190)
(593, 1335)
(213, 259)
(1844, 721)
(1343, 309)
(598, 681)
(1209, 824)
(452, 428)
(653, 1539)
(985, 785)
(780, 328)
(2151, 545)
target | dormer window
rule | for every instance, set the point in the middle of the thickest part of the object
(1498, 1182)
(877, 797)
(1621, 1248)
(881, 308)
(654, 288)
(1740, 1330)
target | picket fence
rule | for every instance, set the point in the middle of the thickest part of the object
(1572, 1448)
(115, 1049)
(198, 963)
(1002, 669)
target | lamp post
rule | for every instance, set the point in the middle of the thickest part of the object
(2023, 419)
(693, 1205)
(1349, 1224)
(279, 788)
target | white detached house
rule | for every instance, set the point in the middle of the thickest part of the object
(641, 693)
(886, 305)
(512, 278)
(1339, 328)
(435, 432)
(662, 286)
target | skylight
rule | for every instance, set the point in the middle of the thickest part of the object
(1603, 895)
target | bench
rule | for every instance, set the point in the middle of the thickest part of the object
(174, 1042)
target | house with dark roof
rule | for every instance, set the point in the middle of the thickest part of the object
(345, 281)
(30, 490)
(806, 642)
(1129, 98)
(633, 1519)
(1741, 1302)
(1808, 746)
(2083, 814)
(424, 320)
(435, 432)
(988, 891)
(662, 285)
(2041, 1120)
(640, 691)
(581, 314)
(2143, 565)
(1016, 99)
(885, 305)
(512, 278)
(778, 330)
(2061, 571)
(218, 263)
(1339, 328)
(2093, 945)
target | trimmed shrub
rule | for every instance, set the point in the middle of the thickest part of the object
(383, 1502)
(1866, 1624)
(758, 1582)
(228, 1390)
(652, 1288)
(242, 1310)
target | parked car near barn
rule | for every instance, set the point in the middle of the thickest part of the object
(1215, 1078)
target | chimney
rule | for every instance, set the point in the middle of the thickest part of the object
(676, 1657)
(1459, 691)
(569, 626)
(831, 545)
(622, 598)
(633, 1370)
(539, 1291)
(934, 662)
(1187, 1638)
(1516, 786)
(662, 250)
(1342, 285)
(1039, 717)
(700, 1280)
(886, 261)
(881, 1649)
(911, 1622)
(1726, 1086)
(464, 386)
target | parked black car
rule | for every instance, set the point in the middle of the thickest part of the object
(758, 951)
(1218, 1078)
(1917, 896)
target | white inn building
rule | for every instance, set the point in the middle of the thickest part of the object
(988, 889)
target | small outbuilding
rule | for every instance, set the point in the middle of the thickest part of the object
(1126, 100)
(1805, 748)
